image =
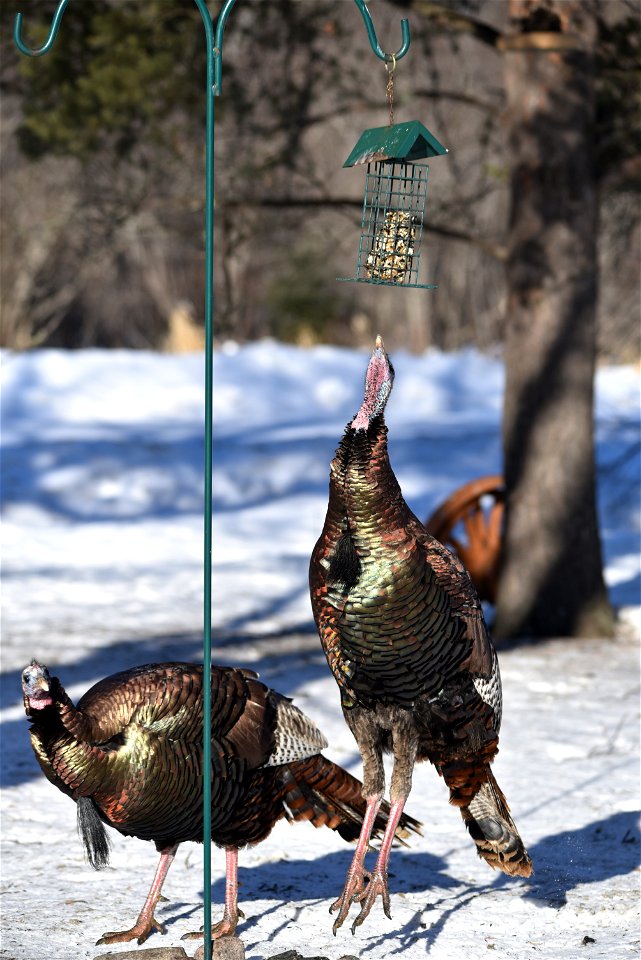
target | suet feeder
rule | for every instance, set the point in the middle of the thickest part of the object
(389, 251)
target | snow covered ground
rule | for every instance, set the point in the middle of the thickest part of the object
(102, 557)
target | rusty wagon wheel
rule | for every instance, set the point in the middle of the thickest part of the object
(470, 522)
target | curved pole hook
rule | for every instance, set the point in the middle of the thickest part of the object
(371, 33)
(53, 32)
(218, 44)
(369, 26)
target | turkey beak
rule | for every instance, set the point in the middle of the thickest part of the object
(380, 353)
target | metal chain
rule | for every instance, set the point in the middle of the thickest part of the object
(390, 88)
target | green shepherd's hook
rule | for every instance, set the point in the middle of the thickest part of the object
(217, 48)
(214, 40)
(371, 33)
(53, 33)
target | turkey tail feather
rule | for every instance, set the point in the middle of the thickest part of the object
(93, 834)
(321, 791)
(487, 818)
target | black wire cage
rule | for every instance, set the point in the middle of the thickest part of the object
(389, 250)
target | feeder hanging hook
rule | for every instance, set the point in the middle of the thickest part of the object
(371, 33)
(390, 67)
(53, 32)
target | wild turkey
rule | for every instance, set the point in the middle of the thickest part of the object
(130, 755)
(404, 635)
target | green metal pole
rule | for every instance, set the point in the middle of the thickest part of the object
(208, 491)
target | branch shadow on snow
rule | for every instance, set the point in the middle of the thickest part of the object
(157, 472)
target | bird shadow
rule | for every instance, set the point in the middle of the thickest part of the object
(599, 851)
(602, 850)
(328, 872)
(288, 882)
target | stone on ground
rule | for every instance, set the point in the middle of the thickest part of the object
(156, 953)
(225, 948)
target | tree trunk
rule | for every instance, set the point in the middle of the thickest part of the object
(552, 581)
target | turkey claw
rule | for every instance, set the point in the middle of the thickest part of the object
(353, 891)
(224, 928)
(139, 932)
(377, 885)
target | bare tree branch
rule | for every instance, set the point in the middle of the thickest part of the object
(436, 93)
(496, 250)
(451, 20)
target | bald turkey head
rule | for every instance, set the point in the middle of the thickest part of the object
(36, 687)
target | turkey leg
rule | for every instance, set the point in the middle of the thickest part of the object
(354, 888)
(404, 744)
(367, 736)
(378, 878)
(227, 926)
(146, 922)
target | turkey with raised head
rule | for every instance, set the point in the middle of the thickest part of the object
(403, 631)
(131, 755)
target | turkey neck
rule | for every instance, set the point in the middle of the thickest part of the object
(68, 761)
(379, 632)
(74, 722)
(364, 493)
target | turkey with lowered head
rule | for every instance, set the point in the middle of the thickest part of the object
(131, 755)
(403, 631)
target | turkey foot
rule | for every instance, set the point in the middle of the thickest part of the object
(377, 885)
(146, 921)
(224, 928)
(353, 891)
(227, 926)
(140, 931)
(378, 878)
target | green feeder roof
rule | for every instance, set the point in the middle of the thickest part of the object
(402, 141)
